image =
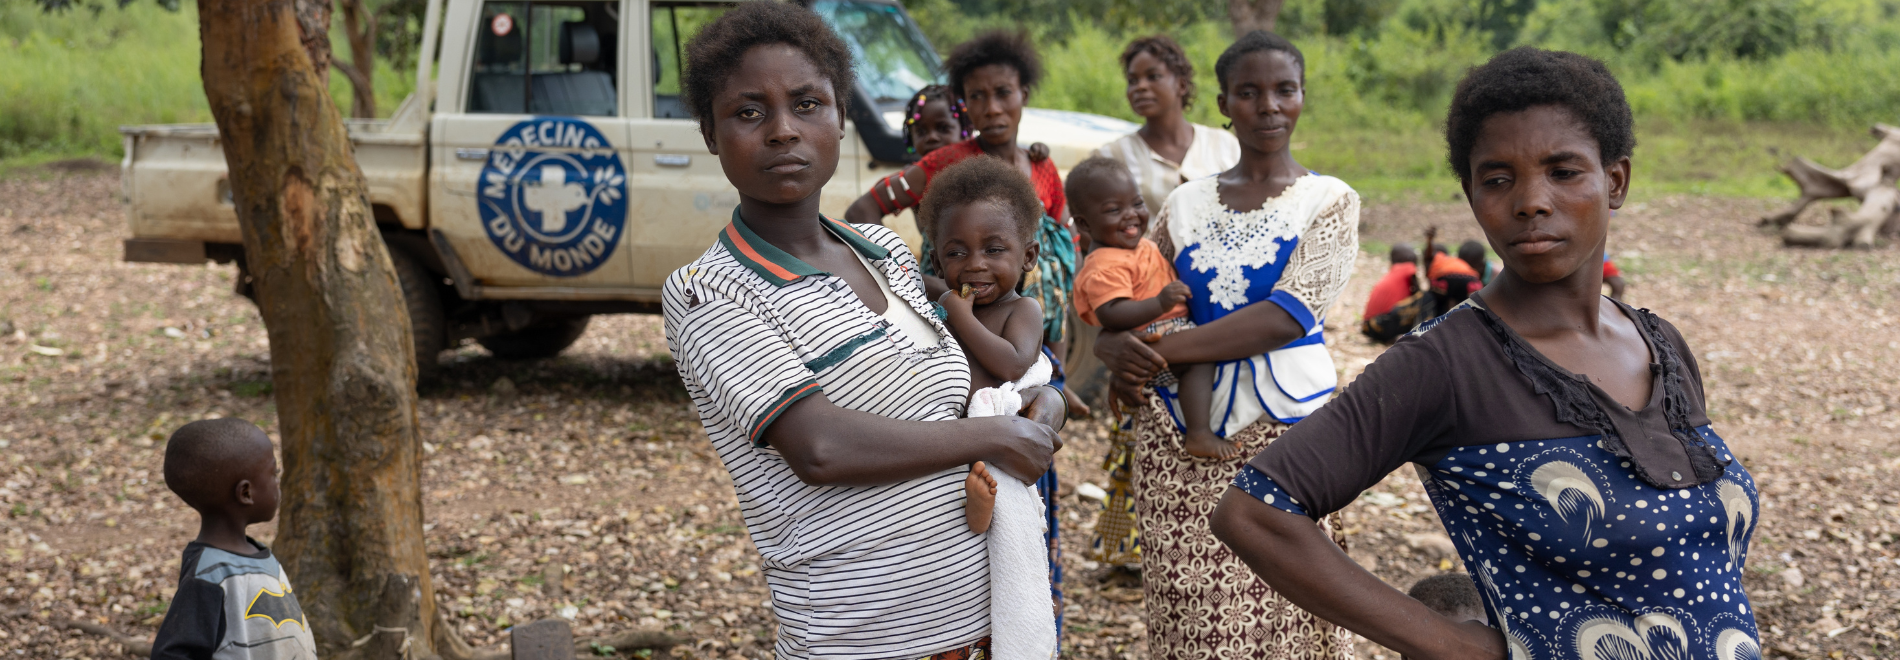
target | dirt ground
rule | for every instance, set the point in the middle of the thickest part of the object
(583, 487)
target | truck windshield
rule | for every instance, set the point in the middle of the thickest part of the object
(893, 58)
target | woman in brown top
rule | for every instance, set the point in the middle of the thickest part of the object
(1561, 435)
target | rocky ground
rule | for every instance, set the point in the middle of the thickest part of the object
(582, 486)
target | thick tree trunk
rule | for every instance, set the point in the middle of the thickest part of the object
(1870, 180)
(1250, 15)
(350, 526)
(359, 26)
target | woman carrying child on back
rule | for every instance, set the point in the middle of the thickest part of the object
(825, 380)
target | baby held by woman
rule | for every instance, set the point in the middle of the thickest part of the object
(981, 216)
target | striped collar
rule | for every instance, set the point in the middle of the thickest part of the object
(780, 268)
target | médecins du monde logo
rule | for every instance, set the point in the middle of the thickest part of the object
(554, 196)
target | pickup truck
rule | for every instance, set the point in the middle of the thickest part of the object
(545, 170)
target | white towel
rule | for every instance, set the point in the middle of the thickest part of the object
(1022, 612)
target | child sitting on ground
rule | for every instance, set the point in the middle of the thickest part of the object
(982, 215)
(1126, 283)
(233, 598)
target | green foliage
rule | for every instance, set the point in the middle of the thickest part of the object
(72, 77)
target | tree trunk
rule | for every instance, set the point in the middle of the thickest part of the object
(1250, 15)
(350, 526)
(1870, 180)
(359, 26)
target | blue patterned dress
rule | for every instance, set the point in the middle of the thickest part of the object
(1625, 541)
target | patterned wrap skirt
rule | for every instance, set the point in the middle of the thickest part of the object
(1117, 539)
(1204, 603)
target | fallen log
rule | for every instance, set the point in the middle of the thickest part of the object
(131, 645)
(1870, 180)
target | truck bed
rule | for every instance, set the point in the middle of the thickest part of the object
(176, 191)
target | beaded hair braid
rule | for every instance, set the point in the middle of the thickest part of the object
(914, 112)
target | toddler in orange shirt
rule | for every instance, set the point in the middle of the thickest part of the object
(1126, 284)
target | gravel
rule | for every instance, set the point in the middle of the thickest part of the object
(582, 486)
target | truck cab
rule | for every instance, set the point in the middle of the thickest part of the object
(548, 170)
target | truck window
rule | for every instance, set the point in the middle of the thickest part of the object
(675, 24)
(546, 58)
(893, 58)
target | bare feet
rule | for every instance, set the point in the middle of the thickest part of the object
(979, 497)
(1203, 443)
(1077, 409)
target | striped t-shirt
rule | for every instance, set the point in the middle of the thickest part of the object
(856, 572)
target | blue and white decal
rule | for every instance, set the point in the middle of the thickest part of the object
(554, 196)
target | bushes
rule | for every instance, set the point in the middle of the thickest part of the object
(70, 79)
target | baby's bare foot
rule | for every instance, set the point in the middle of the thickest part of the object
(1202, 443)
(979, 497)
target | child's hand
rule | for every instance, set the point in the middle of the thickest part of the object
(1173, 294)
(1038, 152)
(956, 303)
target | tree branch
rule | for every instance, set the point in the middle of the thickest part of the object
(132, 645)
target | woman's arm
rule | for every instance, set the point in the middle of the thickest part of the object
(826, 445)
(883, 199)
(1314, 276)
(1135, 358)
(1297, 559)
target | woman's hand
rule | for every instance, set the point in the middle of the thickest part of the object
(1132, 362)
(1024, 447)
(1045, 405)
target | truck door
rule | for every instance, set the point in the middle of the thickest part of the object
(529, 148)
(680, 198)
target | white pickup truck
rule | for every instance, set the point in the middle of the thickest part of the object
(546, 170)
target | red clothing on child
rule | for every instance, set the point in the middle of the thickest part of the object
(1394, 287)
(1110, 273)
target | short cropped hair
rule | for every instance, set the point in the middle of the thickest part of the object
(983, 178)
(1164, 48)
(202, 458)
(1524, 77)
(1091, 170)
(1449, 594)
(1008, 48)
(717, 51)
(1254, 42)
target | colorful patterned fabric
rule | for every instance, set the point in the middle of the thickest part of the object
(1117, 540)
(1202, 601)
(1052, 280)
(979, 650)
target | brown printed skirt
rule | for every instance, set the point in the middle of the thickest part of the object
(1203, 602)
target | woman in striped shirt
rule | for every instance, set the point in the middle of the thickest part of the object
(827, 383)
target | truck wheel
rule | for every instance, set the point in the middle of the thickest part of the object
(426, 322)
(541, 340)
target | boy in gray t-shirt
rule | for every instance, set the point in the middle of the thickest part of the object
(234, 601)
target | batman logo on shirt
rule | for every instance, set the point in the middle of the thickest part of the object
(277, 607)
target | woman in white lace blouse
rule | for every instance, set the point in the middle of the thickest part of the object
(1266, 247)
(1167, 150)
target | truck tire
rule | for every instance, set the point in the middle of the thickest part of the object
(542, 340)
(426, 322)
